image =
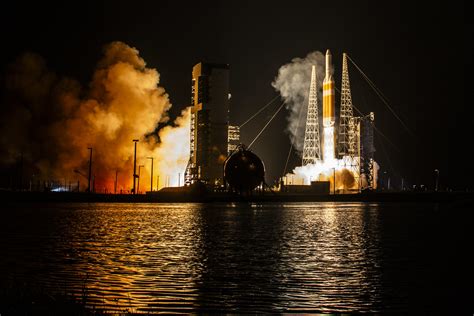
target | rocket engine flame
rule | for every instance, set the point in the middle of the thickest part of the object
(328, 145)
(325, 171)
(56, 120)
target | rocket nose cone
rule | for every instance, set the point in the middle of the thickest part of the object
(328, 52)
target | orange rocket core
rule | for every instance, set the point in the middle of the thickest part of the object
(328, 103)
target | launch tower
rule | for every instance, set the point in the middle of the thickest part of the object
(312, 142)
(347, 141)
(209, 123)
(349, 127)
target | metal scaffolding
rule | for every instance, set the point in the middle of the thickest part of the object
(312, 142)
(347, 140)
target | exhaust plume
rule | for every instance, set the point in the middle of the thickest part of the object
(53, 121)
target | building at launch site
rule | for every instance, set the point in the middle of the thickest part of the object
(210, 100)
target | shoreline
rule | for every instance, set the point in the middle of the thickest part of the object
(194, 197)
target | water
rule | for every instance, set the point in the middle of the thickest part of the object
(323, 257)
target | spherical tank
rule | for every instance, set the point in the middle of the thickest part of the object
(243, 170)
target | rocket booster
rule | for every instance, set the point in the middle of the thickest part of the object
(328, 94)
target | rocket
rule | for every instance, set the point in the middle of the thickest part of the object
(329, 119)
(328, 94)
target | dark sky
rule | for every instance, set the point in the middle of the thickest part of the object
(419, 55)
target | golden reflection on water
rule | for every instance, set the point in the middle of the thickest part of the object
(332, 252)
(210, 257)
(136, 257)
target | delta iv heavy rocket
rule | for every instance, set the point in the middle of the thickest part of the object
(328, 94)
(328, 111)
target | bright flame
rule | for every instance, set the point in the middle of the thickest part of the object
(339, 169)
(173, 152)
(328, 145)
(343, 171)
(124, 101)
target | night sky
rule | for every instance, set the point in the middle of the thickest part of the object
(419, 55)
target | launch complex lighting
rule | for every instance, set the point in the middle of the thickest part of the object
(90, 171)
(134, 166)
(151, 176)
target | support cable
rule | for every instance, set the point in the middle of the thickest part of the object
(259, 111)
(390, 164)
(271, 119)
(381, 96)
(375, 128)
(291, 146)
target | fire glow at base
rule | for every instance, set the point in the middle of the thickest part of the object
(328, 168)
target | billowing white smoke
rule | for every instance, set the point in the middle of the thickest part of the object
(293, 83)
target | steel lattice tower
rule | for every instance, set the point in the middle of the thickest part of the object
(312, 142)
(347, 141)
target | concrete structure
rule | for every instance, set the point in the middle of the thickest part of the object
(316, 188)
(209, 123)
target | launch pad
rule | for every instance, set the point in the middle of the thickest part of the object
(344, 155)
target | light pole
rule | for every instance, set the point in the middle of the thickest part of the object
(21, 172)
(116, 177)
(80, 173)
(139, 170)
(31, 181)
(93, 184)
(90, 171)
(151, 178)
(134, 165)
(334, 170)
(437, 179)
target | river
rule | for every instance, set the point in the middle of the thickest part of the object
(273, 257)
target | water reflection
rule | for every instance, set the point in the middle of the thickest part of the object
(300, 257)
(197, 257)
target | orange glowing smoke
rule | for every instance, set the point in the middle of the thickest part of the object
(53, 120)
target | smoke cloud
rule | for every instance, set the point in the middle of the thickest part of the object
(293, 83)
(53, 120)
(323, 171)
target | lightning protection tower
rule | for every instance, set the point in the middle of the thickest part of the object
(312, 142)
(347, 130)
